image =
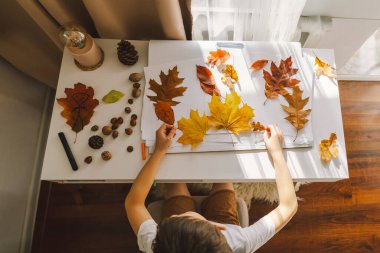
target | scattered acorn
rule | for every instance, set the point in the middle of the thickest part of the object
(130, 101)
(134, 116)
(120, 120)
(129, 149)
(113, 120)
(127, 109)
(136, 85)
(88, 159)
(133, 122)
(95, 128)
(95, 142)
(106, 155)
(128, 131)
(136, 92)
(115, 134)
(135, 77)
(115, 126)
(107, 130)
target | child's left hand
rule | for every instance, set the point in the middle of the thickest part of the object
(164, 137)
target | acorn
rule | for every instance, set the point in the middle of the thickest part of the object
(136, 92)
(134, 116)
(129, 149)
(133, 122)
(115, 126)
(120, 120)
(127, 109)
(135, 77)
(115, 134)
(95, 142)
(107, 130)
(128, 131)
(130, 101)
(113, 120)
(95, 128)
(88, 159)
(106, 155)
(136, 85)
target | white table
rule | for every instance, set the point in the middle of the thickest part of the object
(243, 166)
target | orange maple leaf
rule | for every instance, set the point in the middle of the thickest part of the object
(218, 57)
(207, 81)
(257, 126)
(259, 64)
(297, 116)
(169, 87)
(78, 106)
(280, 78)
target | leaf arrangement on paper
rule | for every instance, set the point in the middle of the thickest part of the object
(297, 116)
(169, 89)
(207, 81)
(218, 57)
(328, 149)
(323, 68)
(78, 106)
(280, 78)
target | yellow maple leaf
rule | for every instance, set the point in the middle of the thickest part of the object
(228, 115)
(323, 68)
(328, 148)
(193, 129)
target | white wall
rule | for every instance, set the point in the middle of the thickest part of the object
(22, 102)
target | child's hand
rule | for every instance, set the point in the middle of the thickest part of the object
(164, 136)
(274, 140)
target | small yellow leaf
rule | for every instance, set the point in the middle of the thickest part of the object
(323, 68)
(228, 115)
(193, 129)
(328, 148)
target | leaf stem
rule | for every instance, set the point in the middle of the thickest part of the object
(296, 136)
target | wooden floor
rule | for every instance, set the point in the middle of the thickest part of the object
(334, 217)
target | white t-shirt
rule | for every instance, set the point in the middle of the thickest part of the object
(239, 239)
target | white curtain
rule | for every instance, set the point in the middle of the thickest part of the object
(260, 20)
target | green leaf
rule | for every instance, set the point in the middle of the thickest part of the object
(112, 97)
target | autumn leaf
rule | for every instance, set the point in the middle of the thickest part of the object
(259, 64)
(297, 116)
(228, 115)
(78, 106)
(257, 126)
(164, 112)
(218, 57)
(280, 78)
(169, 88)
(207, 81)
(230, 76)
(112, 96)
(328, 148)
(193, 129)
(323, 68)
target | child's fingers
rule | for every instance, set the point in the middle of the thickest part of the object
(172, 132)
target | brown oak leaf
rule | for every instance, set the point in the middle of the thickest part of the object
(218, 57)
(297, 116)
(164, 112)
(207, 81)
(259, 64)
(280, 78)
(78, 106)
(169, 88)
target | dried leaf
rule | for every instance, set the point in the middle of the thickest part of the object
(228, 115)
(218, 57)
(257, 126)
(280, 78)
(259, 64)
(328, 148)
(323, 68)
(297, 116)
(207, 81)
(164, 112)
(230, 76)
(112, 97)
(169, 87)
(193, 129)
(78, 106)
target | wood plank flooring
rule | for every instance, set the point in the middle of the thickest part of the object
(333, 217)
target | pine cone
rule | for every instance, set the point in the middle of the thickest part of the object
(95, 142)
(127, 53)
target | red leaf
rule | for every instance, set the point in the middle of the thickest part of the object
(164, 112)
(78, 106)
(259, 64)
(207, 81)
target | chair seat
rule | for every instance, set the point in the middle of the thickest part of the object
(155, 209)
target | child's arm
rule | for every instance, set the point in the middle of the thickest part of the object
(135, 200)
(288, 201)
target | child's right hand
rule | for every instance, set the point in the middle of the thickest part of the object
(164, 136)
(274, 140)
